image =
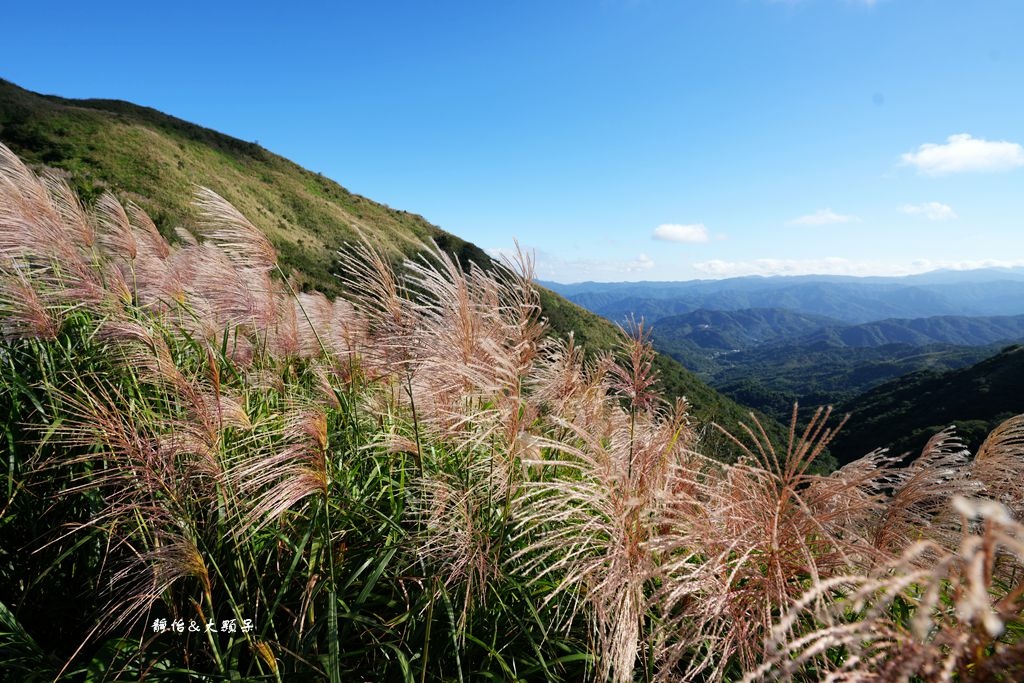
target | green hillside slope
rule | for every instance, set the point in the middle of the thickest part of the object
(771, 378)
(902, 414)
(156, 160)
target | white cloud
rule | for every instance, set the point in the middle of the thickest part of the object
(674, 232)
(822, 217)
(963, 153)
(933, 211)
(770, 266)
(643, 262)
(551, 267)
(835, 265)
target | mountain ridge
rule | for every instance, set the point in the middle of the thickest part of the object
(902, 414)
(747, 327)
(939, 275)
(157, 160)
(850, 300)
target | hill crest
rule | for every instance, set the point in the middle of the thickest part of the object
(156, 160)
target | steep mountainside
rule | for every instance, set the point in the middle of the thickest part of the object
(904, 413)
(769, 358)
(770, 378)
(156, 160)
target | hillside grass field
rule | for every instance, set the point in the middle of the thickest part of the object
(213, 475)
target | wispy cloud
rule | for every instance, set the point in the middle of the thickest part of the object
(964, 153)
(822, 217)
(552, 267)
(640, 263)
(835, 265)
(674, 232)
(933, 211)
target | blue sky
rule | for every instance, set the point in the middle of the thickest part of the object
(620, 139)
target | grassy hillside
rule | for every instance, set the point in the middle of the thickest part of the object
(156, 160)
(904, 413)
(211, 477)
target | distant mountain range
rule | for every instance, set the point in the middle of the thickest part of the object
(769, 341)
(768, 358)
(742, 329)
(984, 292)
(947, 329)
(900, 380)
